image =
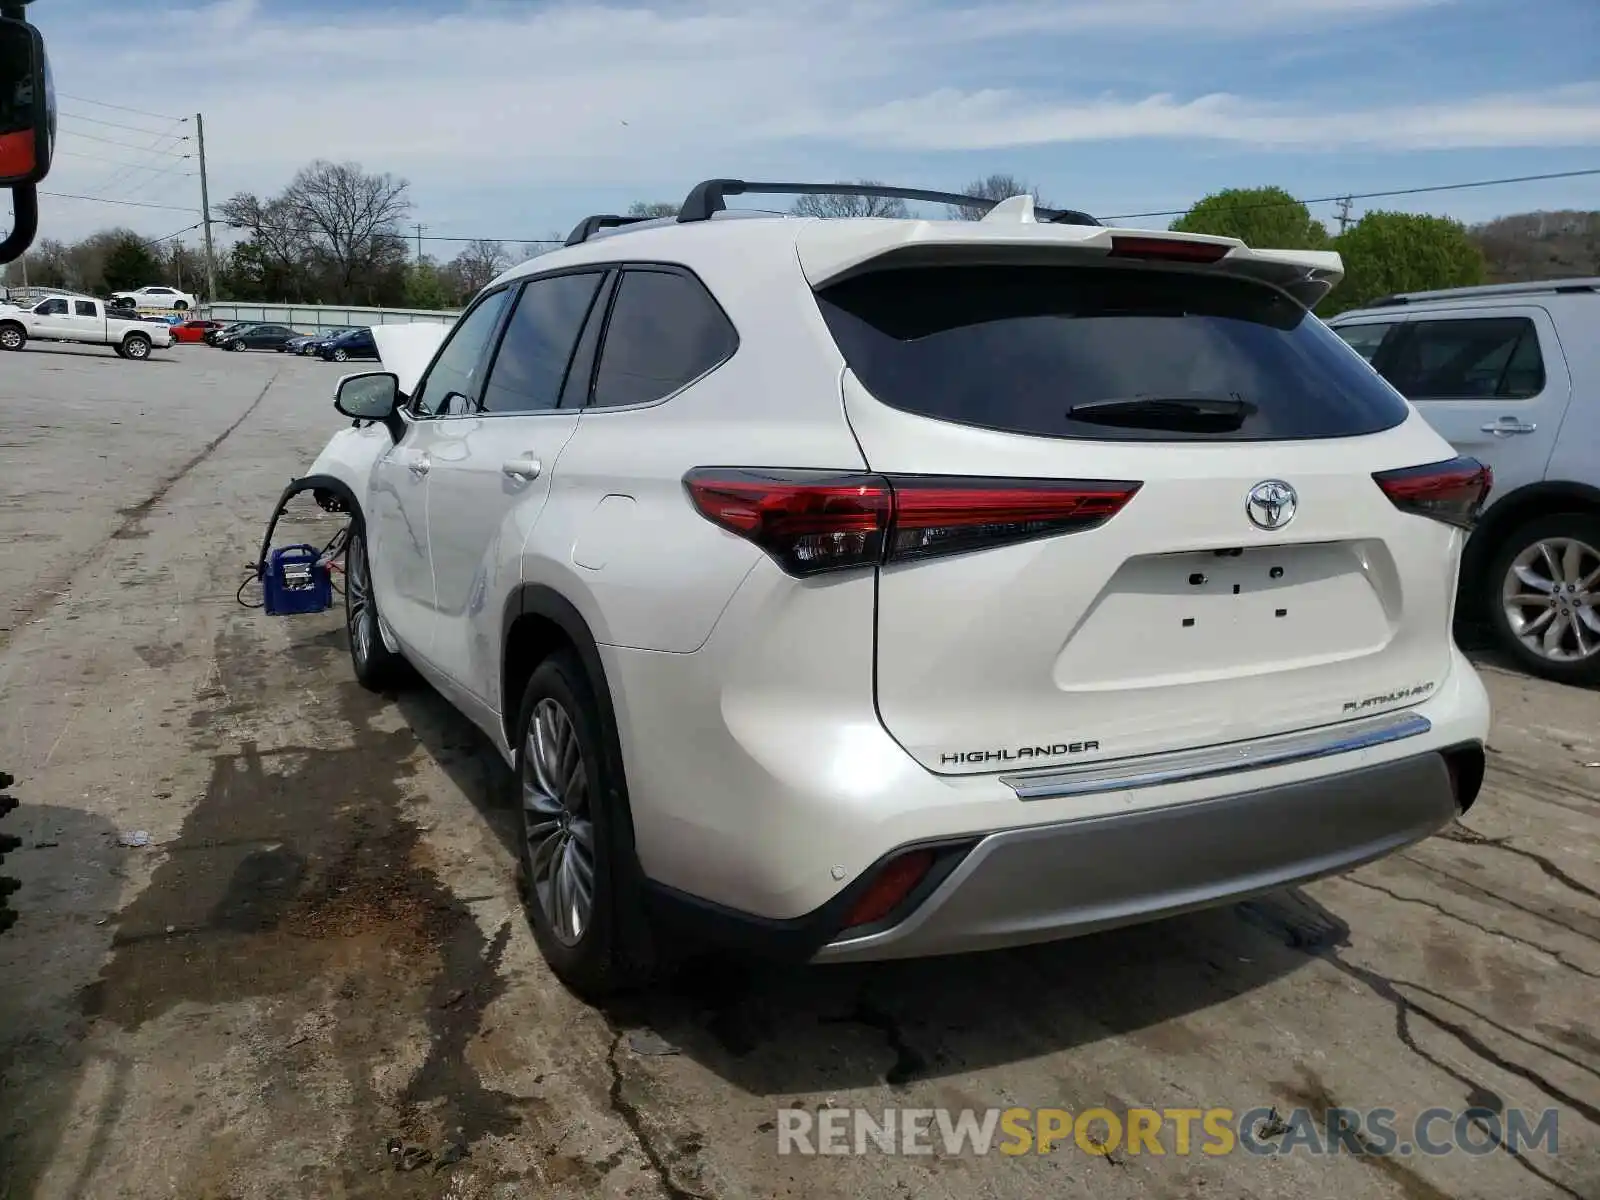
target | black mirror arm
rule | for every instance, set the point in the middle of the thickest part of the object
(25, 204)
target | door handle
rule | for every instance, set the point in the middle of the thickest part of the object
(522, 468)
(1507, 426)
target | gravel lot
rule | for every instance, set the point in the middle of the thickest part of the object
(320, 950)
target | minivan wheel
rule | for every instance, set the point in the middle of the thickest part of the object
(377, 668)
(1543, 597)
(572, 856)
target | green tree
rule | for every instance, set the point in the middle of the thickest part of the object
(652, 208)
(426, 286)
(130, 265)
(1268, 218)
(1387, 252)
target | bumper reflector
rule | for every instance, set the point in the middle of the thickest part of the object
(893, 883)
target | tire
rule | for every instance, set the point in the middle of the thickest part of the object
(376, 667)
(180, 306)
(13, 336)
(237, 347)
(135, 346)
(8, 843)
(1553, 564)
(573, 819)
(341, 355)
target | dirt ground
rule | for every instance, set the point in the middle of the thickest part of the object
(319, 954)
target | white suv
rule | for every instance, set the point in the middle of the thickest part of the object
(855, 589)
(1510, 373)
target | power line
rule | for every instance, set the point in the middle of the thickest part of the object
(108, 200)
(1411, 191)
(179, 233)
(126, 146)
(143, 112)
(121, 162)
(116, 125)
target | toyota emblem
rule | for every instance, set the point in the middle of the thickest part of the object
(1271, 504)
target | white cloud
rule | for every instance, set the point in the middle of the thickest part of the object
(998, 119)
(496, 98)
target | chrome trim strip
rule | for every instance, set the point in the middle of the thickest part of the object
(1151, 770)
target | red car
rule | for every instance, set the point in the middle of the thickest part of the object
(193, 331)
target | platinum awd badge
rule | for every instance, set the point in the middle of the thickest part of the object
(1383, 700)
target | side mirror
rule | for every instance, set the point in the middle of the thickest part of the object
(369, 396)
(27, 106)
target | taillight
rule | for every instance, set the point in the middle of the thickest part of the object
(1451, 491)
(937, 515)
(815, 521)
(1167, 249)
(809, 521)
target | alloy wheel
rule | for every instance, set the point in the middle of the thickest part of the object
(556, 822)
(1551, 597)
(10, 339)
(358, 605)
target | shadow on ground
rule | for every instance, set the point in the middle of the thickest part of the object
(71, 870)
(773, 1029)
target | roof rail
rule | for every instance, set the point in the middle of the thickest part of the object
(707, 198)
(589, 226)
(1533, 287)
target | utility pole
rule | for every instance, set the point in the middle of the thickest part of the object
(1344, 213)
(205, 210)
(419, 227)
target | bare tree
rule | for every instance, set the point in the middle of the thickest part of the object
(846, 205)
(273, 227)
(480, 262)
(350, 217)
(652, 208)
(995, 187)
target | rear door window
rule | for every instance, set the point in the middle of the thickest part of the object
(664, 331)
(1016, 348)
(83, 308)
(1470, 358)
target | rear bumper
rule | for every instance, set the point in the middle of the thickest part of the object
(1075, 877)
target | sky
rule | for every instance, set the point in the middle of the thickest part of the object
(513, 119)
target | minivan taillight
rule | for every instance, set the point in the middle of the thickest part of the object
(816, 521)
(1451, 491)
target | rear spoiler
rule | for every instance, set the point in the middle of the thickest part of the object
(831, 251)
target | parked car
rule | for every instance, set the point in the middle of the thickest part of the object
(1510, 373)
(258, 337)
(213, 336)
(353, 343)
(81, 319)
(857, 589)
(308, 343)
(158, 296)
(194, 331)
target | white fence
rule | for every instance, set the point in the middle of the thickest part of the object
(313, 318)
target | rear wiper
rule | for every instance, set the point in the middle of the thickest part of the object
(1183, 414)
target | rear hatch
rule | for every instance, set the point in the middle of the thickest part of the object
(1137, 504)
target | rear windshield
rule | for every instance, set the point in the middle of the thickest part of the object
(1015, 348)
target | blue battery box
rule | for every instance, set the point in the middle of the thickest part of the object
(296, 581)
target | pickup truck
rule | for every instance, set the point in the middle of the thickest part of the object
(80, 319)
